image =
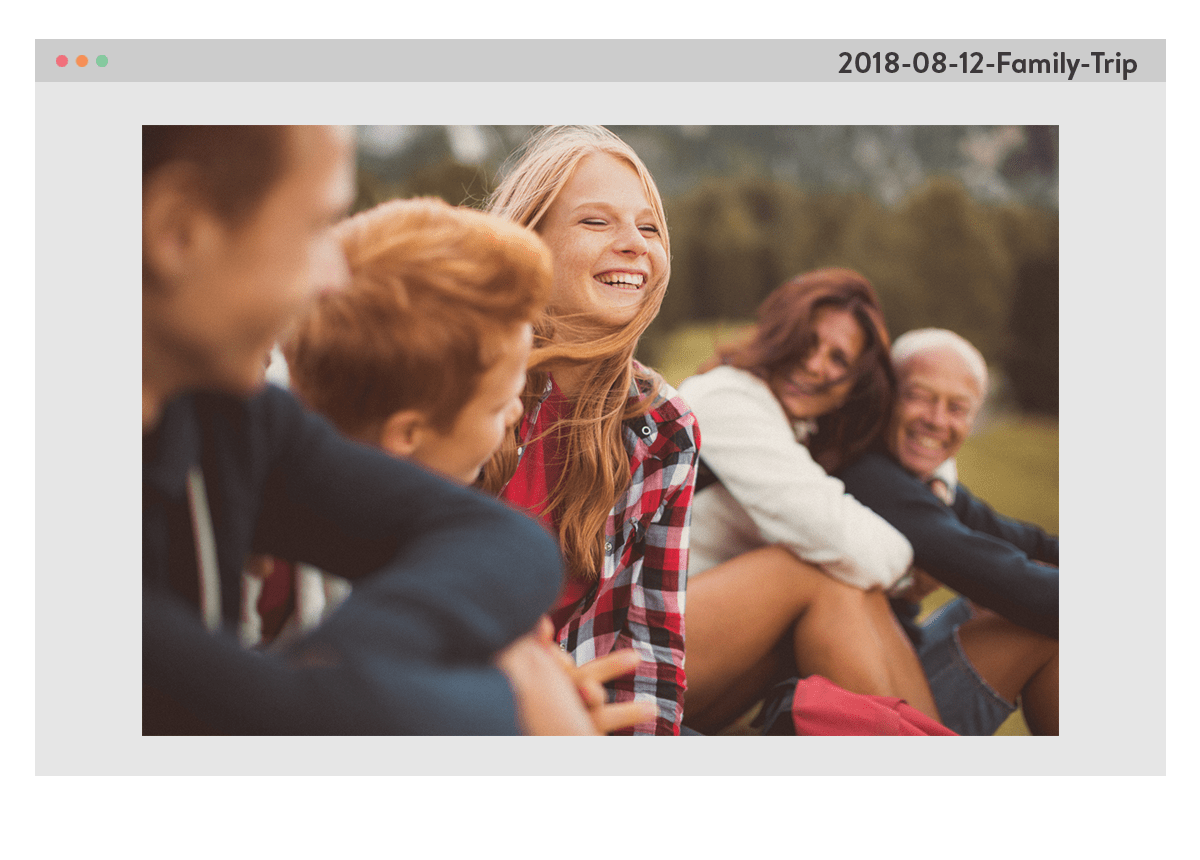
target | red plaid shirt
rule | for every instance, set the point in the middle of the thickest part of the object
(638, 600)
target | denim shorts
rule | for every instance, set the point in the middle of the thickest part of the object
(965, 701)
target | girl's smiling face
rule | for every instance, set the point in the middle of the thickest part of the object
(605, 240)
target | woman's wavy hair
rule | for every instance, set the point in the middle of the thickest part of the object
(597, 469)
(784, 336)
(428, 283)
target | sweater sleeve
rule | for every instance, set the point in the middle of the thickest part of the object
(1030, 539)
(216, 686)
(480, 572)
(984, 567)
(655, 616)
(749, 445)
(445, 577)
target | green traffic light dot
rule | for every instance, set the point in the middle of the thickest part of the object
(102, 60)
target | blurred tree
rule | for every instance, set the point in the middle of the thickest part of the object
(1032, 358)
(959, 266)
(371, 190)
(457, 184)
(939, 257)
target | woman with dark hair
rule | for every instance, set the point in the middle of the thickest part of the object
(605, 455)
(788, 573)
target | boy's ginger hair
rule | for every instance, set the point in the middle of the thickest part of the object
(429, 281)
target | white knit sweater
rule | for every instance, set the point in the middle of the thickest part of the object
(773, 492)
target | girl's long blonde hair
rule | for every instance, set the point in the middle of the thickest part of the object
(597, 464)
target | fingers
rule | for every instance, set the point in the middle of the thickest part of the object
(589, 680)
(610, 666)
(543, 630)
(261, 566)
(591, 676)
(622, 715)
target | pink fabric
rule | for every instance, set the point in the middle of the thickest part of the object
(821, 707)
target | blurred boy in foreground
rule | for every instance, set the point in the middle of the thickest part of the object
(235, 242)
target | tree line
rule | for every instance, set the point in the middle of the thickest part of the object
(939, 258)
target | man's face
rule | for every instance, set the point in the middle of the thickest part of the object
(237, 286)
(935, 408)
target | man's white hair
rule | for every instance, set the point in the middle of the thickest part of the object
(921, 340)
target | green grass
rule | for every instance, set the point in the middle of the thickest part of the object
(1011, 462)
(682, 350)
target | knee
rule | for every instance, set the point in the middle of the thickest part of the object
(844, 600)
(781, 557)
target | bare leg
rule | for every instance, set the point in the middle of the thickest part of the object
(852, 638)
(739, 612)
(906, 675)
(1039, 699)
(1016, 662)
(742, 693)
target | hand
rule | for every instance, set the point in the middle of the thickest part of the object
(589, 681)
(922, 586)
(941, 489)
(260, 566)
(548, 702)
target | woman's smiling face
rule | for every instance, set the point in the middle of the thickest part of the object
(606, 241)
(820, 382)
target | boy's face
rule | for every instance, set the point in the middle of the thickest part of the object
(493, 410)
(228, 290)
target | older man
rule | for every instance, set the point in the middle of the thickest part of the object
(979, 661)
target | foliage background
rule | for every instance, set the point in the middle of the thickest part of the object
(956, 226)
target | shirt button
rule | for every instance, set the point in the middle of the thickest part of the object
(520, 450)
(608, 546)
(645, 429)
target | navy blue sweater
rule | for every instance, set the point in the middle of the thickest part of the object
(444, 577)
(968, 547)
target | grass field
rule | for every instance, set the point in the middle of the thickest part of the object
(1011, 461)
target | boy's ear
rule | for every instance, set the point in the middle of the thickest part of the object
(404, 432)
(177, 228)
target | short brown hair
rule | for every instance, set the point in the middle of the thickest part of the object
(428, 282)
(235, 165)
